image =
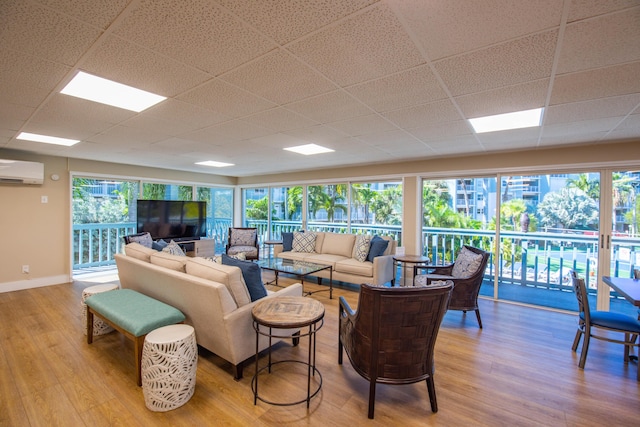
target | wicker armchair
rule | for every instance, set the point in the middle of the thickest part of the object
(466, 284)
(243, 240)
(391, 338)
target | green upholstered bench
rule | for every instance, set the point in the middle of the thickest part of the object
(133, 314)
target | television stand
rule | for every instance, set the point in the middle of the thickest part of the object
(199, 248)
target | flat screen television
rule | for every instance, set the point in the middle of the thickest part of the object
(172, 219)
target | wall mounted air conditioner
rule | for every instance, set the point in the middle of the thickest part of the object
(19, 172)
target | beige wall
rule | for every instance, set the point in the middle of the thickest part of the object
(38, 234)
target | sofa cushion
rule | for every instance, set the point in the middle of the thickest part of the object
(304, 242)
(326, 259)
(467, 263)
(174, 249)
(377, 247)
(229, 276)
(251, 274)
(361, 247)
(136, 250)
(296, 256)
(353, 266)
(338, 244)
(166, 260)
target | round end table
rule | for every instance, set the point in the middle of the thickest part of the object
(288, 313)
(169, 363)
(99, 327)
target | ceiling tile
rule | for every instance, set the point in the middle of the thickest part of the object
(593, 109)
(440, 131)
(406, 88)
(508, 99)
(36, 30)
(184, 115)
(330, 107)
(280, 120)
(600, 42)
(96, 13)
(351, 52)
(223, 98)
(601, 83)
(507, 64)
(287, 20)
(580, 9)
(126, 63)
(280, 78)
(421, 115)
(203, 35)
(363, 125)
(450, 27)
(227, 133)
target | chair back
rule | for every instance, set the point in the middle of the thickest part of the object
(243, 236)
(636, 273)
(580, 290)
(465, 293)
(394, 332)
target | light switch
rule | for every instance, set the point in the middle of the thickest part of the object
(44, 199)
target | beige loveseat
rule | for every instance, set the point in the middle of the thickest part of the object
(213, 297)
(338, 250)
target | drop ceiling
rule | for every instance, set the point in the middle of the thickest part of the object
(376, 81)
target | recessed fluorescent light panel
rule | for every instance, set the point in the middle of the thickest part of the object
(214, 164)
(309, 149)
(108, 92)
(46, 139)
(517, 120)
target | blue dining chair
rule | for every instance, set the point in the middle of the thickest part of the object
(605, 320)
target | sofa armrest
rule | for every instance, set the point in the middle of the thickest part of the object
(238, 324)
(383, 269)
(277, 248)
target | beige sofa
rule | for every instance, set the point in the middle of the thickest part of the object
(338, 250)
(213, 297)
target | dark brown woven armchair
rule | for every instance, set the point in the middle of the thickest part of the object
(466, 284)
(391, 338)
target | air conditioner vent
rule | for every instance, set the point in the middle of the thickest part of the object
(20, 172)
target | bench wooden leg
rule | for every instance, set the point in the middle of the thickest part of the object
(89, 325)
(138, 346)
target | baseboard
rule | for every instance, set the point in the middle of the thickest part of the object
(34, 283)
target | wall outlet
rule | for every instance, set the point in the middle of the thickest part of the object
(25, 269)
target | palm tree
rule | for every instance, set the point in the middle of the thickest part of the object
(363, 195)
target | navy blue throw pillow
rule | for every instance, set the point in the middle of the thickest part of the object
(287, 242)
(251, 275)
(377, 247)
(159, 245)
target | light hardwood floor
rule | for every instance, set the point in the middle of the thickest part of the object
(518, 371)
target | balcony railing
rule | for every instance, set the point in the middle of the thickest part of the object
(540, 260)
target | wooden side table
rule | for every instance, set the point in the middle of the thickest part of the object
(288, 313)
(403, 260)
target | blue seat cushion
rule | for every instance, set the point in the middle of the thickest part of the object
(133, 311)
(608, 319)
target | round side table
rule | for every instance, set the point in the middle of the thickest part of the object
(404, 261)
(169, 362)
(288, 313)
(99, 327)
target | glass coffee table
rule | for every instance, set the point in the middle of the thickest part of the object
(300, 269)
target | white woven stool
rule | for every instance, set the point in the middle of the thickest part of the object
(99, 327)
(169, 362)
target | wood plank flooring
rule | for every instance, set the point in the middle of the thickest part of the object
(518, 371)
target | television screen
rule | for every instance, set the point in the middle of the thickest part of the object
(172, 219)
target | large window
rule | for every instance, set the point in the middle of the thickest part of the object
(327, 207)
(219, 213)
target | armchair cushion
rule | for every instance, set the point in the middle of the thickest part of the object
(143, 238)
(467, 263)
